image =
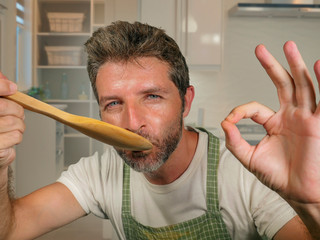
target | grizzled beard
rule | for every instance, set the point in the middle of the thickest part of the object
(150, 162)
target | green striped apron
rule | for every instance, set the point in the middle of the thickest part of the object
(207, 226)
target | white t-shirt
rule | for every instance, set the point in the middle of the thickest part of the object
(248, 208)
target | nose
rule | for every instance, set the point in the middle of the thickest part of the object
(133, 117)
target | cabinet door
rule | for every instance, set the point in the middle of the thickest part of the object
(195, 25)
(160, 14)
(201, 32)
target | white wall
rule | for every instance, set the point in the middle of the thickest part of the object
(242, 79)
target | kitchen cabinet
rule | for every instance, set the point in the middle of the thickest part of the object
(61, 29)
(195, 25)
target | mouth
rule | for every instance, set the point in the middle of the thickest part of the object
(143, 152)
(140, 153)
(134, 152)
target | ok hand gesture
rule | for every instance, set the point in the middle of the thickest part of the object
(288, 158)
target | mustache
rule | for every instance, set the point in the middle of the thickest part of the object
(147, 136)
(155, 142)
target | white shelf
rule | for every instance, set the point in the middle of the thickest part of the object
(60, 67)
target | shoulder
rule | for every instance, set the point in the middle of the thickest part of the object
(91, 165)
(96, 182)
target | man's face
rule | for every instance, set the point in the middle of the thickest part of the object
(140, 97)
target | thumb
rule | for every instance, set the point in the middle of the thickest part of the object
(7, 156)
(239, 147)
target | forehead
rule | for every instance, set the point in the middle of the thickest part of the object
(138, 64)
(139, 70)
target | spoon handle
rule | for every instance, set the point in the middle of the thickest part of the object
(37, 106)
(94, 128)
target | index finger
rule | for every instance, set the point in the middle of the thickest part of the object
(234, 141)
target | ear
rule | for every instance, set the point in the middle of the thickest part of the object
(188, 98)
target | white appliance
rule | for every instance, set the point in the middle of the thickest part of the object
(277, 8)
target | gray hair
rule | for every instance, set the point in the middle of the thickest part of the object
(122, 42)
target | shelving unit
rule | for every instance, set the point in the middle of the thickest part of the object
(80, 98)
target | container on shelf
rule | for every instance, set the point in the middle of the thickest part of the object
(65, 22)
(64, 55)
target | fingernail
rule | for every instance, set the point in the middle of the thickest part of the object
(13, 87)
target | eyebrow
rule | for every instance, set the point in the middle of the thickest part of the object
(154, 90)
(103, 99)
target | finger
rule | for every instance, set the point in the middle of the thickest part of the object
(305, 94)
(316, 68)
(253, 110)
(9, 139)
(280, 77)
(317, 71)
(8, 107)
(6, 87)
(10, 123)
(239, 147)
(234, 142)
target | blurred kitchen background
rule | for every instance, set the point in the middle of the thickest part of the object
(41, 49)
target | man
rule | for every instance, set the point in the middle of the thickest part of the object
(188, 186)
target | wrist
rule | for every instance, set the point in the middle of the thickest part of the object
(6, 207)
(4, 172)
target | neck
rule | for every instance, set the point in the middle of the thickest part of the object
(178, 162)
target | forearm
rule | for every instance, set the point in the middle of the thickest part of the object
(310, 215)
(6, 209)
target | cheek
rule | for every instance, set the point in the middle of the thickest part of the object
(167, 120)
(111, 119)
(161, 117)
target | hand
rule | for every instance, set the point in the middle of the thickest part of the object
(288, 158)
(11, 122)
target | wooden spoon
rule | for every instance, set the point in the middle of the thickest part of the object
(96, 129)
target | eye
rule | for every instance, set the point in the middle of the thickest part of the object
(114, 103)
(111, 105)
(153, 96)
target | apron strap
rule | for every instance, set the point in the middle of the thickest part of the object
(212, 171)
(126, 199)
